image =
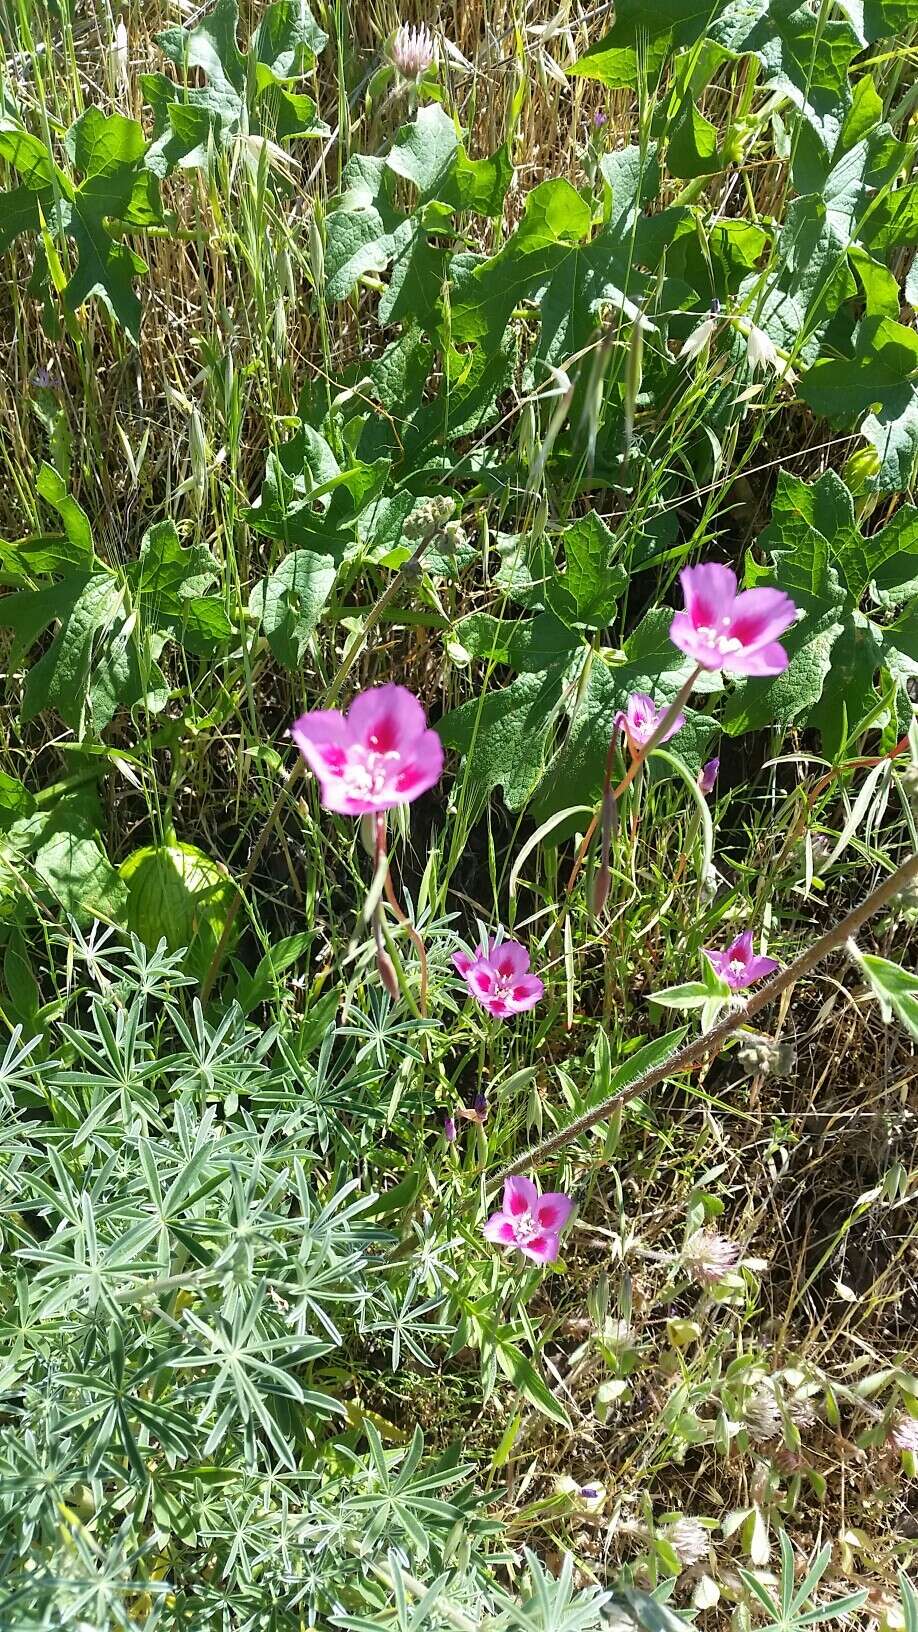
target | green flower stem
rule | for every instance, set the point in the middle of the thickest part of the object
(659, 732)
(710, 1044)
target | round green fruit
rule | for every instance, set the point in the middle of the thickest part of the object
(177, 894)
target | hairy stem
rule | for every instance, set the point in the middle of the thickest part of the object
(709, 1045)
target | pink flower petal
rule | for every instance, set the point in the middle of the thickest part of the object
(322, 738)
(758, 967)
(387, 719)
(710, 591)
(543, 1248)
(520, 1196)
(552, 1211)
(499, 1228)
(764, 660)
(463, 962)
(761, 615)
(525, 993)
(481, 979)
(509, 959)
(684, 634)
(717, 960)
(741, 948)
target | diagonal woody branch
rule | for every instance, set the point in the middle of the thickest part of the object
(708, 1046)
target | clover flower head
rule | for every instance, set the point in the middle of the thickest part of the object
(689, 1540)
(903, 1435)
(413, 50)
(709, 1256)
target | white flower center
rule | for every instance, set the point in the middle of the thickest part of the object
(525, 1227)
(368, 773)
(718, 639)
(736, 966)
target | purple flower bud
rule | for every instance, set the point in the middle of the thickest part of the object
(449, 1129)
(707, 776)
(480, 1107)
(599, 119)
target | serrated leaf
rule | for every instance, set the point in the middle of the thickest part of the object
(167, 573)
(587, 592)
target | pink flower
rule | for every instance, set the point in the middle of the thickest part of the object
(739, 965)
(379, 754)
(707, 776)
(528, 1221)
(413, 50)
(498, 976)
(723, 629)
(640, 720)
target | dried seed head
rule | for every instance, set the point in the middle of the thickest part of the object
(767, 1057)
(689, 1540)
(709, 1256)
(763, 1413)
(903, 1435)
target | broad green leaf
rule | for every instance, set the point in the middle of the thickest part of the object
(503, 736)
(880, 382)
(15, 801)
(166, 573)
(210, 46)
(104, 267)
(592, 583)
(27, 154)
(19, 212)
(72, 863)
(364, 233)
(523, 1375)
(693, 144)
(290, 603)
(484, 296)
(176, 893)
(429, 154)
(85, 607)
(51, 487)
(102, 144)
(895, 988)
(288, 39)
(803, 56)
(424, 152)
